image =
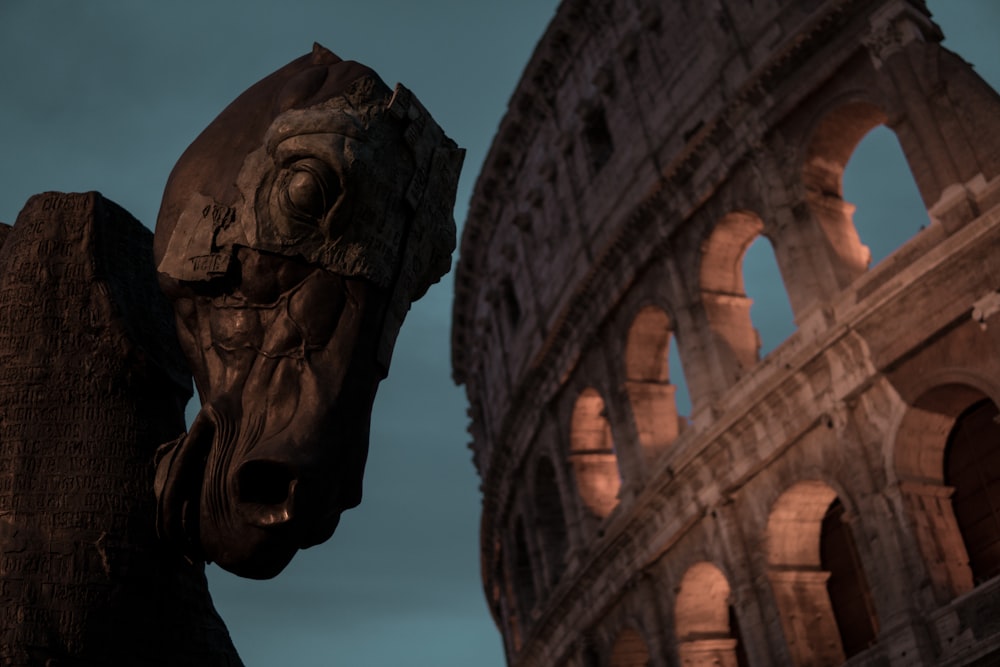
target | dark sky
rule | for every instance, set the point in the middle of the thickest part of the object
(104, 95)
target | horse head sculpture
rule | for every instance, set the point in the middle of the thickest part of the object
(293, 235)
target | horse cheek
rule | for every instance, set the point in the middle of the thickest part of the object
(316, 307)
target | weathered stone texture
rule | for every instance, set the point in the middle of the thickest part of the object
(646, 146)
(92, 382)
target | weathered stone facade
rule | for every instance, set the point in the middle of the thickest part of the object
(819, 505)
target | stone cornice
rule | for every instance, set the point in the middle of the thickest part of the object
(769, 402)
(545, 68)
(643, 233)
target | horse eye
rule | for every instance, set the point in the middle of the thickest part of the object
(311, 189)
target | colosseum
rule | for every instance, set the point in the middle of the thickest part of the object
(834, 501)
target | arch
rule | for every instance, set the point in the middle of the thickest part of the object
(923, 450)
(499, 599)
(703, 615)
(646, 346)
(886, 212)
(511, 304)
(647, 380)
(922, 434)
(793, 527)
(770, 311)
(720, 277)
(524, 580)
(972, 469)
(721, 269)
(850, 596)
(806, 537)
(629, 650)
(592, 454)
(828, 151)
(597, 138)
(495, 591)
(550, 518)
(832, 143)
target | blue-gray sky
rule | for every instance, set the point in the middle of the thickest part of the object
(105, 94)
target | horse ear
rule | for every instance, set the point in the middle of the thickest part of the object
(324, 56)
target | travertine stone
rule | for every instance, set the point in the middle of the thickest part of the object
(645, 148)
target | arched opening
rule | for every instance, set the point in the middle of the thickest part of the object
(944, 454)
(850, 596)
(499, 603)
(770, 311)
(832, 144)
(810, 550)
(511, 304)
(597, 139)
(888, 210)
(830, 148)
(972, 469)
(652, 395)
(496, 593)
(682, 397)
(592, 454)
(524, 582)
(704, 613)
(629, 650)
(723, 296)
(551, 519)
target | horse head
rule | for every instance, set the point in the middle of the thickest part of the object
(293, 235)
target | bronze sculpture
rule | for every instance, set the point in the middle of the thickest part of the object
(291, 276)
(293, 235)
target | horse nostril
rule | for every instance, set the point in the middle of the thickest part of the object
(266, 483)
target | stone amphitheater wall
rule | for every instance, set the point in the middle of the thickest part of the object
(646, 147)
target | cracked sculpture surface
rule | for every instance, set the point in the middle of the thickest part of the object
(293, 235)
